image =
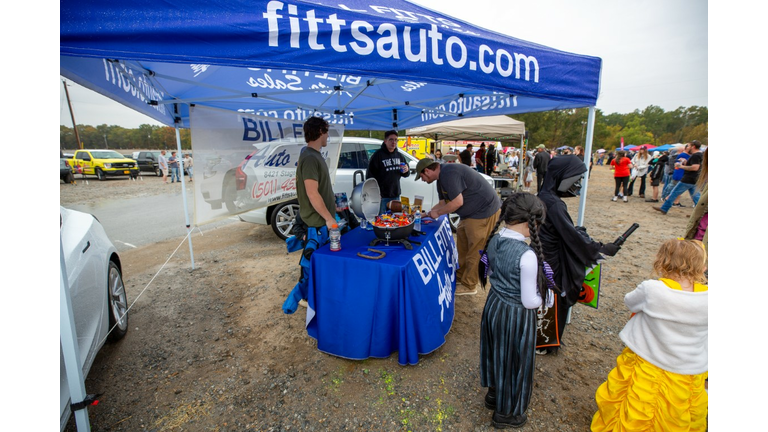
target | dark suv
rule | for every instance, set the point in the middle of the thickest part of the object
(147, 161)
(66, 174)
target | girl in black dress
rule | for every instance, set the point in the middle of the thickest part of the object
(519, 285)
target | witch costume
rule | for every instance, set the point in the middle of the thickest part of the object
(568, 249)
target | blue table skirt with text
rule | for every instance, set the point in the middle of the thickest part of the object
(361, 308)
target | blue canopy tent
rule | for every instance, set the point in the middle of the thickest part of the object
(664, 147)
(359, 65)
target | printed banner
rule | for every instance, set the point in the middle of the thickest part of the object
(245, 162)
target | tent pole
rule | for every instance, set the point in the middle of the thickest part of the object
(585, 181)
(520, 163)
(587, 159)
(184, 196)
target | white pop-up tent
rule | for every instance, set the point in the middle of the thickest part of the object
(492, 128)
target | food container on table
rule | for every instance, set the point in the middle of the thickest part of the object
(397, 232)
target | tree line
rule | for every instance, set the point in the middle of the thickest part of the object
(552, 128)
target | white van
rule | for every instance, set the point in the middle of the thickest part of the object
(353, 163)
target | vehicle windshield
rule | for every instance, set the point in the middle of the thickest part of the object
(107, 154)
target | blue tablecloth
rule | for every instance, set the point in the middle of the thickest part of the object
(361, 308)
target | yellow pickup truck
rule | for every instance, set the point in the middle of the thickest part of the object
(103, 164)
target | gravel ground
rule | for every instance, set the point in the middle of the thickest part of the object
(209, 349)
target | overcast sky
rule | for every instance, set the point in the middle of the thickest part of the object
(654, 52)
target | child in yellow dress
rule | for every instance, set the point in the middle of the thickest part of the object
(659, 379)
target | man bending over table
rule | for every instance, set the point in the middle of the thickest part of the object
(465, 192)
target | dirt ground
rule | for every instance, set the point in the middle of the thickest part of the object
(209, 349)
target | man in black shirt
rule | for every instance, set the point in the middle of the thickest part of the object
(691, 169)
(388, 166)
(540, 162)
(466, 155)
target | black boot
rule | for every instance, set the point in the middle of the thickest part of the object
(508, 421)
(490, 398)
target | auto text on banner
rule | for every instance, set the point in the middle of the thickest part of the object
(247, 162)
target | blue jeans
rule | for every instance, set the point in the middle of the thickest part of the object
(678, 190)
(668, 186)
(175, 174)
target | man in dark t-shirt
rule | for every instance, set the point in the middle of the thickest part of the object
(466, 156)
(691, 169)
(465, 192)
(317, 206)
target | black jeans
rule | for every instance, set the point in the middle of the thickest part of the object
(621, 182)
(642, 185)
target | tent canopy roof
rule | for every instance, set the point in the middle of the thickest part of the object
(364, 66)
(494, 128)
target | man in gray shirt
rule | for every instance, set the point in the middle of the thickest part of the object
(465, 192)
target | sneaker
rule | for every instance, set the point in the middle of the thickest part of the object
(678, 205)
(614, 199)
(463, 290)
(641, 195)
(651, 200)
(658, 209)
(626, 199)
(303, 303)
(542, 351)
(505, 421)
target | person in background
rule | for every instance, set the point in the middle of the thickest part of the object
(317, 204)
(508, 327)
(675, 174)
(188, 165)
(491, 160)
(659, 380)
(466, 193)
(698, 222)
(621, 166)
(466, 155)
(439, 157)
(540, 163)
(388, 166)
(173, 164)
(568, 249)
(480, 159)
(529, 170)
(690, 166)
(162, 162)
(512, 159)
(658, 163)
(641, 162)
(578, 151)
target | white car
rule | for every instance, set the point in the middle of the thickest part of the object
(94, 274)
(353, 163)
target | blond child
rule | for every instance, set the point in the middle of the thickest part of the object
(659, 379)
